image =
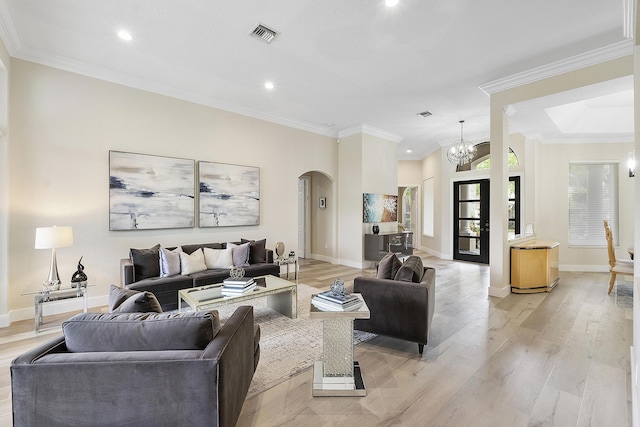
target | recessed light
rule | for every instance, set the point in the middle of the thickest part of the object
(269, 85)
(125, 35)
(409, 150)
(391, 3)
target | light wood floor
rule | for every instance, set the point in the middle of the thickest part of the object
(558, 359)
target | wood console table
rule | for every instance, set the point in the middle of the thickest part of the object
(534, 266)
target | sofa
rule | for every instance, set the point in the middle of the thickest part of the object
(401, 300)
(164, 271)
(138, 369)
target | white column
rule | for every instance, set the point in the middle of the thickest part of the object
(498, 203)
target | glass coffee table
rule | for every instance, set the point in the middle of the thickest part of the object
(282, 296)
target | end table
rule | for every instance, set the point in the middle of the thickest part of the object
(42, 297)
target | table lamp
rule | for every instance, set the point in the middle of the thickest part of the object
(52, 238)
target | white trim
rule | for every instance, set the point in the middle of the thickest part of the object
(369, 130)
(634, 389)
(596, 56)
(499, 292)
(323, 258)
(8, 31)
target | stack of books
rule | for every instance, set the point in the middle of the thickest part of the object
(330, 301)
(234, 287)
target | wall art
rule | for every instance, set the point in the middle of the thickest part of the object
(150, 192)
(379, 208)
(229, 195)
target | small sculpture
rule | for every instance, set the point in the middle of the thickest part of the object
(79, 278)
(337, 287)
(236, 272)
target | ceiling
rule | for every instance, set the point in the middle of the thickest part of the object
(335, 64)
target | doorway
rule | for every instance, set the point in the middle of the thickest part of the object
(471, 221)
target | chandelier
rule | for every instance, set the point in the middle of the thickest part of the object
(461, 152)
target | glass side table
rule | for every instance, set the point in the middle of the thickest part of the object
(288, 261)
(337, 374)
(42, 297)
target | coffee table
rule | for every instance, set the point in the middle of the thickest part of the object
(282, 296)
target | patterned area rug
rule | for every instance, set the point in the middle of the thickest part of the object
(624, 294)
(287, 346)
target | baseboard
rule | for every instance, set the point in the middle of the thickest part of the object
(584, 268)
(433, 252)
(323, 258)
(56, 307)
(499, 292)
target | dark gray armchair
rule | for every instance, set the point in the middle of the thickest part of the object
(399, 309)
(197, 382)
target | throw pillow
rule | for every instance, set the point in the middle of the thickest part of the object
(142, 302)
(193, 263)
(411, 270)
(388, 266)
(146, 262)
(218, 258)
(257, 250)
(170, 262)
(115, 332)
(118, 295)
(240, 254)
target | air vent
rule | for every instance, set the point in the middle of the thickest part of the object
(263, 33)
(424, 114)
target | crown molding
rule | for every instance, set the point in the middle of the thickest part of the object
(8, 31)
(596, 56)
(369, 130)
(124, 79)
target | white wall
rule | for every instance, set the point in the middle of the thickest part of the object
(63, 126)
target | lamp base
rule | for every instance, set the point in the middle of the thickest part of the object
(51, 285)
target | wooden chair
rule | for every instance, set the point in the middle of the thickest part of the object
(615, 267)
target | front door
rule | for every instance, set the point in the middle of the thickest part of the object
(471, 221)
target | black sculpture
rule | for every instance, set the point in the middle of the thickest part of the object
(79, 278)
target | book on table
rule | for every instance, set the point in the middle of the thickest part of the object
(237, 291)
(326, 305)
(337, 298)
(238, 283)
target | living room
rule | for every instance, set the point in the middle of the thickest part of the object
(59, 127)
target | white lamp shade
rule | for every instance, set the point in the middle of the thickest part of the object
(54, 237)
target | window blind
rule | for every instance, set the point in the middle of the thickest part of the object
(593, 197)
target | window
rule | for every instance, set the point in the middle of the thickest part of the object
(593, 197)
(514, 206)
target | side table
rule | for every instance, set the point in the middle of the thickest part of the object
(288, 261)
(43, 297)
(338, 374)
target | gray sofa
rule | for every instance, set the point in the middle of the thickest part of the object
(141, 271)
(402, 303)
(138, 369)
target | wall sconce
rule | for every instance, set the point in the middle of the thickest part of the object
(631, 163)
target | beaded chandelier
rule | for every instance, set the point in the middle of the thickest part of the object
(461, 152)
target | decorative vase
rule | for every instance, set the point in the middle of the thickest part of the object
(375, 228)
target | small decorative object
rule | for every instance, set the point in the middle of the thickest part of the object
(236, 272)
(337, 287)
(51, 285)
(279, 249)
(375, 228)
(79, 278)
(292, 254)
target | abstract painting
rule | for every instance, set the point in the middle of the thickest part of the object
(229, 195)
(150, 192)
(379, 208)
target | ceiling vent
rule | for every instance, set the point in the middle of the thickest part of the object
(263, 33)
(424, 114)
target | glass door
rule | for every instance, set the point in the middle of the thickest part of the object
(471, 221)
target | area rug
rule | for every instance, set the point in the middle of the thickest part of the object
(287, 346)
(624, 294)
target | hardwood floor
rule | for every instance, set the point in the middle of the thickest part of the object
(558, 359)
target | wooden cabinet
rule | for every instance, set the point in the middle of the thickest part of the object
(376, 246)
(534, 266)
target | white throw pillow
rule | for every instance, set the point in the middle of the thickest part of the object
(170, 262)
(218, 258)
(192, 263)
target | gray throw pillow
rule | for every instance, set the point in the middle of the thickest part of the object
(170, 262)
(118, 295)
(257, 250)
(388, 266)
(411, 270)
(240, 254)
(113, 332)
(146, 262)
(142, 302)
